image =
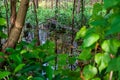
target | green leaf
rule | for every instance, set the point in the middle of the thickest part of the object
(89, 72)
(19, 67)
(102, 60)
(97, 8)
(3, 35)
(115, 25)
(98, 21)
(81, 33)
(31, 67)
(49, 72)
(62, 58)
(2, 21)
(90, 39)
(85, 55)
(4, 74)
(37, 78)
(11, 50)
(114, 65)
(71, 60)
(16, 58)
(49, 58)
(23, 51)
(110, 3)
(111, 46)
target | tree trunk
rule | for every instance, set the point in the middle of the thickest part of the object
(82, 12)
(72, 35)
(52, 1)
(36, 27)
(16, 30)
(36, 3)
(45, 3)
(12, 13)
(78, 7)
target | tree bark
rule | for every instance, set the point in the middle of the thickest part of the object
(19, 22)
(36, 3)
(36, 27)
(52, 1)
(78, 7)
(72, 35)
(46, 3)
(12, 13)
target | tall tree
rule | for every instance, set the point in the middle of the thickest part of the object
(19, 22)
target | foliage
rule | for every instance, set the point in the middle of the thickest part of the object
(99, 54)
(99, 43)
(27, 60)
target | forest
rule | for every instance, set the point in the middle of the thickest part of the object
(60, 40)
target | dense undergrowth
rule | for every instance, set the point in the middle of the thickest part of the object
(99, 57)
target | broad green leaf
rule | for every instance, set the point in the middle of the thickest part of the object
(49, 72)
(19, 67)
(16, 58)
(31, 67)
(102, 60)
(97, 8)
(85, 55)
(49, 58)
(4, 74)
(98, 21)
(110, 3)
(81, 32)
(114, 65)
(90, 39)
(89, 72)
(111, 46)
(11, 50)
(23, 51)
(37, 78)
(3, 35)
(62, 58)
(2, 21)
(71, 60)
(115, 25)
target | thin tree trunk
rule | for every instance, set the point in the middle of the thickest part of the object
(52, 1)
(36, 28)
(78, 7)
(56, 12)
(72, 36)
(12, 14)
(19, 22)
(36, 3)
(45, 3)
(82, 12)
